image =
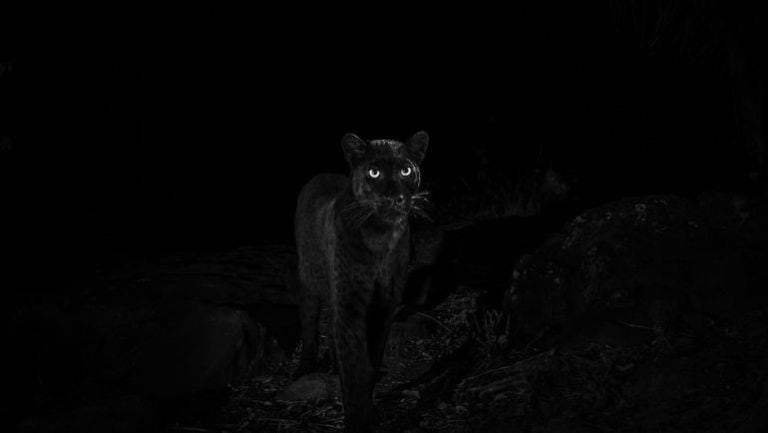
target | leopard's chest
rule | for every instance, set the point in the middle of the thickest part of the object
(381, 277)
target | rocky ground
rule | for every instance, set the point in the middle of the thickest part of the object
(644, 315)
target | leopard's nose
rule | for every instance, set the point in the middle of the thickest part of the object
(400, 199)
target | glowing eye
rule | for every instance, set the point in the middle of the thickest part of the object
(406, 171)
(374, 173)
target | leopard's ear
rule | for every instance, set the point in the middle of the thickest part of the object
(416, 146)
(354, 148)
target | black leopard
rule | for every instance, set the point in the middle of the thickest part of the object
(353, 239)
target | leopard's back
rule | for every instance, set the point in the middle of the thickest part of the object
(314, 228)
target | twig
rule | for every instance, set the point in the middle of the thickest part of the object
(278, 420)
(496, 387)
(194, 429)
(434, 320)
(485, 373)
(633, 325)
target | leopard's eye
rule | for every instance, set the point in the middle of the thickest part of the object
(406, 171)
(374, 173)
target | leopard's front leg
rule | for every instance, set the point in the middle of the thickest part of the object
(378, 323)
(351, 343)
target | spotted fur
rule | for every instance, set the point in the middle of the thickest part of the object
(353, 239)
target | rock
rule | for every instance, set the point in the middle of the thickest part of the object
(244, 276)
(129, 414)
(193, 347)
(311, 387)
(159, 351)
(646, 262)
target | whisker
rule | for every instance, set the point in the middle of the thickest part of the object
(423, 195)
(419, 201)
(418, 212)
(351, 206)
(359, 219)
(357, 212)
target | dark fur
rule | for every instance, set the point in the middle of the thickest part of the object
(353, 236)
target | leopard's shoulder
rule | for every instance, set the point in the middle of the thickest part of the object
(321, 188)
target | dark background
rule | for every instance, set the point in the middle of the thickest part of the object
(142, 143)
(142, 128)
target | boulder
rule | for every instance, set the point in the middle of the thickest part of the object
(127, 414)
(644, 263)
(193, 347)
(162, 334)
(311, 387)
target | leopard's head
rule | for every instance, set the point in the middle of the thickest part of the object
(385, 176)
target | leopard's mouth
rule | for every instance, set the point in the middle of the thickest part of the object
(392, 213)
